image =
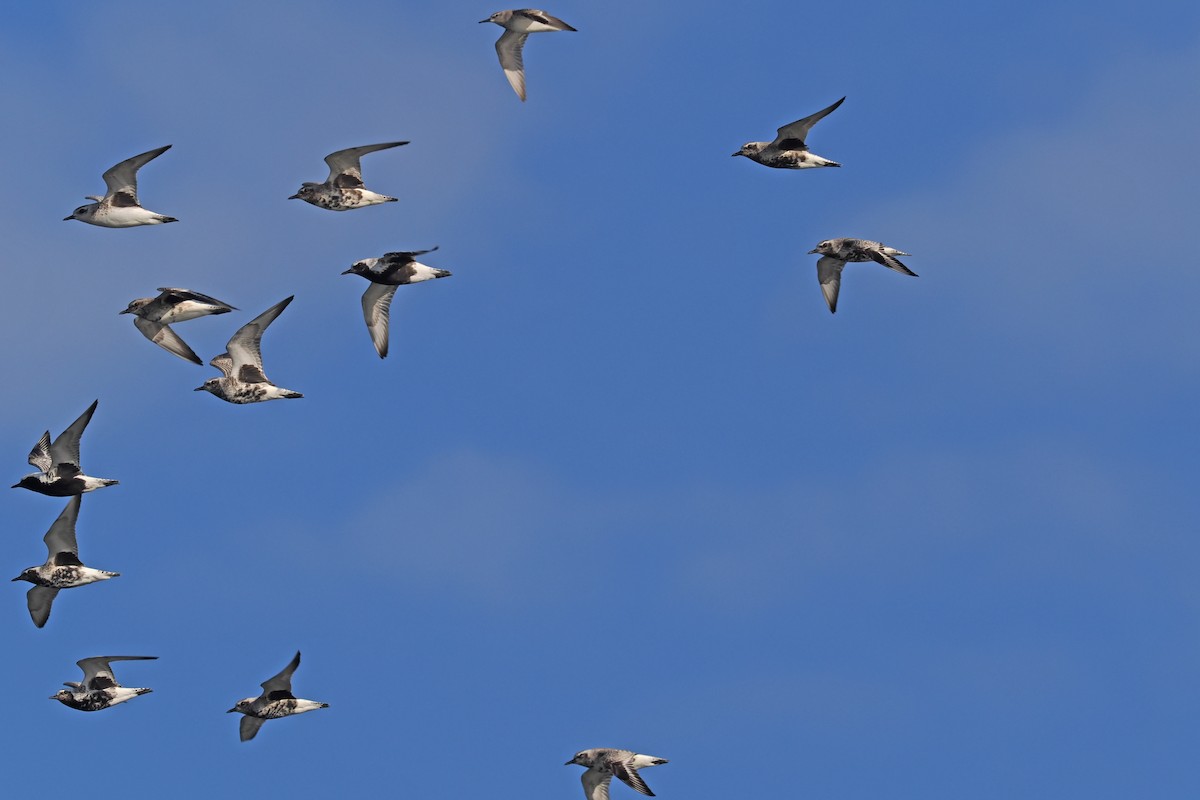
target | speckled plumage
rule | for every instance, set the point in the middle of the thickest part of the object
(119, 208)
(386, 273)
(789, 150)
(63, 569)
(836, 253)
(275, 701)
(604, 762)
(245, 381)
(343, 190)
(99, 689)
(153, 317)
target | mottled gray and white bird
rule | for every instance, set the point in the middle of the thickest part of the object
(60, 474)
(518, 24)
(604, 762)
(275, 701)
(63, 569)
(789, 150)
(835, 253)
(385, 274)
(343, 189)
(245, 381)
(154, 315)
(99, 689)
(119, 208)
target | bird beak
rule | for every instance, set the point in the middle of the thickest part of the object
(65, 219)
(349, 271)
(294, 197)
(14, 580)
(198, 389)
(126, 311)
(738, 153)
(483, 21)
(810, 252)
(572, 761)
(230, 711)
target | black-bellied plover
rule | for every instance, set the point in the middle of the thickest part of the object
(61, 474)
(604, 762)
(835, 253)
(119, 208)
(385, 274)
(154, 315)
(99, 689)
(245, 381)
(518, 24)
(63, 569)
(343, 190)
(275, 701)
(789, 151)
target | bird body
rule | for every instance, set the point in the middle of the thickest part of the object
(63, 569)
(275, 701)
(59, 472)
(242, 365)
(119, 207)
(518, 24)
(604, 762)
(836, 253)
(385, 274)
(99, 689)
(788, 150)
(153, 316)
(343, 190)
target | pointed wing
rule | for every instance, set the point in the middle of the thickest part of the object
(167, 339)
(344, 169)
(405, 256)
(39, 456)
(245, 346)
(376, 301)
(508, 47)
(891, 262)
(542, 17)
(595, 784)
(98, 675)
(249, 727)
(65, 449)
(174, 296)
(629, 776)
(61, 536)
(283, 681)
(39, 599)
(829, 273)
(121, 179)
(792, 135)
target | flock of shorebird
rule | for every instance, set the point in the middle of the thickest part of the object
(59, 470)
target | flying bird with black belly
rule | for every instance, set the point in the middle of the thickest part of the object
(343, 190)
(385, 274)
(60, 474)
(63, 569)
(789, 150)
(275, 701)
(99, 689)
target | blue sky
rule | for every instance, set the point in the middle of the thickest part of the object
(623, 480)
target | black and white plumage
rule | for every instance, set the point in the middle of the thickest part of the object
(275, 701)
(119, 208)
(99, 689)
(63, 569)
(789, 150)
(518, 24)
(836, 253)
(385, 274)
(343, 190)
(245, 381)
(604, 762)
(153, 317)
(60, 473)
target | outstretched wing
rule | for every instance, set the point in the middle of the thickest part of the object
(376, 302)
(829, 273)
(345, 171)
(508, 47)
(166, 338)
(174, 296)
(792, 135)
(121, 179)
(630, 777)
(889, 261)
(245, 346)
(39, 599)
(61, 536)
(249, 727)
(98, 675)
(65, 449)
(595, 784)
(39, 456)
(405, 256)
(283, 681)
